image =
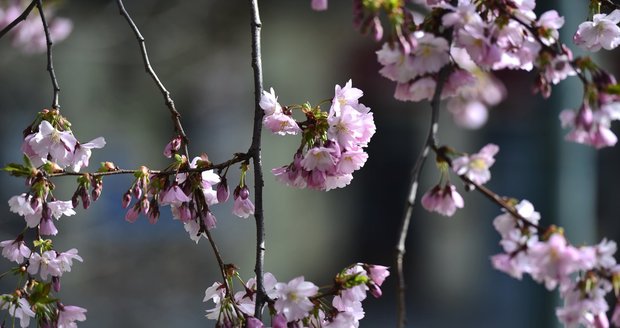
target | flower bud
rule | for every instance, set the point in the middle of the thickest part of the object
(56, 283)
(222, 191)
(85, 198)
(137, 191)
(144, 205)
(126, 199)
(75, 200)
(132, 214)
(209, 220)
(244, 193)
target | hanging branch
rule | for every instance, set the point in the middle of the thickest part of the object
(431, 142)
(50, 61)
(255, 153)
(176, 117)
(19, 18)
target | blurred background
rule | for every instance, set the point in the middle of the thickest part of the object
(143, 275)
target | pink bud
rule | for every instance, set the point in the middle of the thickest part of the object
(56, 283)
(126, 200)
(132, 214)
(252, 322)
(222, 191)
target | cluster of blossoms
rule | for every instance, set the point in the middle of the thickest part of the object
(591, 123)
(299, 303)
(468, 39)
(189, 188)
(583, 275)
(29, 36)
(49, 147)
(36, 298)
(332, 143)
(475, 168)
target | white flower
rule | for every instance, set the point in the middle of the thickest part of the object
(15, 250)
(82, 153)
(19, 309)
(60, 145)
(293, 298)
(602, 31)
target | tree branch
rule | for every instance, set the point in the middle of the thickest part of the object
(50, 61)
(255, 154)
(238, 158)
(19, 18)
(431, 141)
(176, 117)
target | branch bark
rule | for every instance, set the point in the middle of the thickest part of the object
(50, 60)
(431, 142)
(19, 18)
(255, 153)
(176, 117)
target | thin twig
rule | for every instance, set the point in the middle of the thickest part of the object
(431, 141)
(19, 18)
(255, 154)
(238, 158)
(488, 193)
(176, 117)
(50, 61)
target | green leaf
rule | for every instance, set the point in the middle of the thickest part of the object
(613, 89)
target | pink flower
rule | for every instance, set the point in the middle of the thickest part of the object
(282, 124)
(17, 308)
(243, 206)
(378, 273)
(69, 314)
(173, 146)
(82, 153)
(476, 166)
(319, 5)
(269, 103)
(431, 53)
(252, 322)
(549, 23)
(293, 298)
(601, 32)
(60, 145)
(319, 158)
(419, 89)
(279, 321)
(347, 95)
(615, 317)
(397, 65)
(554, 260)
(444, 201)
(132, 214)
(174, 196)
(15, 250)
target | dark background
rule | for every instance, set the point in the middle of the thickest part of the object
(142, 275)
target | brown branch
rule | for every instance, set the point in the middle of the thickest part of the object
(492, 196)
(50, 61)
(238, 158)
(255, 153)
(176, 117)
(431, 141)
(19, 18)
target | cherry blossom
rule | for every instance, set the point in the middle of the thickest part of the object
(293, 298)
(601, 32)
(17, 308)
(476, 167)
(69, 314)
(444, 200)
(243, 206)
(15, 250)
